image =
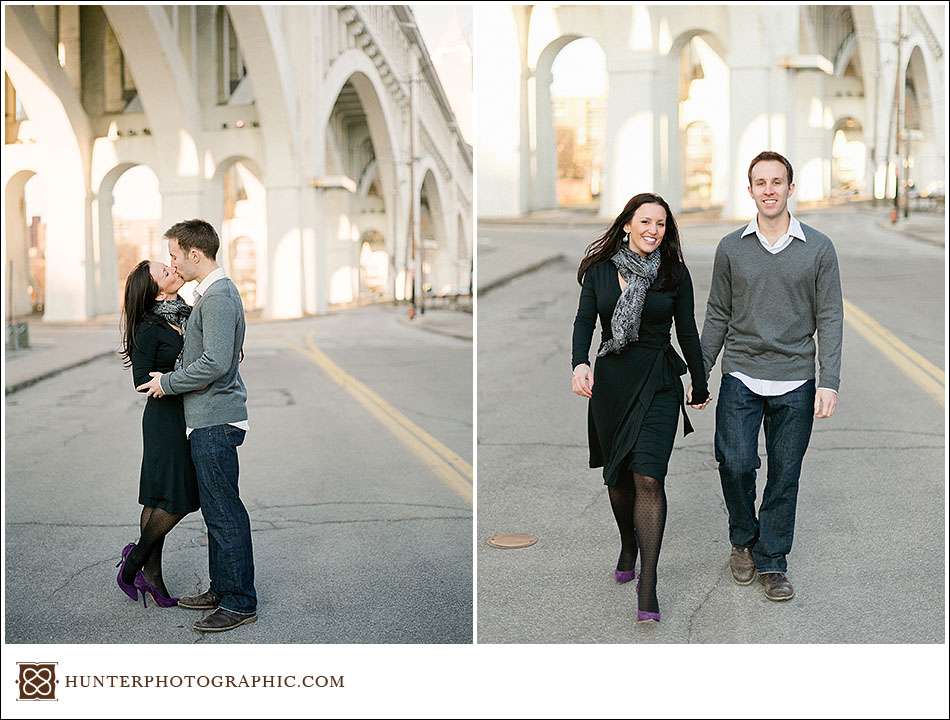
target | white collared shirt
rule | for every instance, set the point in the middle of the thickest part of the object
(770, 388)
(210, 279)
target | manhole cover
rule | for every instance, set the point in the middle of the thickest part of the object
(512, 541)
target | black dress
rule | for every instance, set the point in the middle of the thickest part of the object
(167, 479)
(637, 395)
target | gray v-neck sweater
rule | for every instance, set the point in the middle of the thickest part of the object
(765, 309)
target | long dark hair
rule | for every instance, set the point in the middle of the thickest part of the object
(607, 245)
(140, 293)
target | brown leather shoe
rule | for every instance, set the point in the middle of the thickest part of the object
(206, 601)
(777, 586)
(221, 620)
(741, 565)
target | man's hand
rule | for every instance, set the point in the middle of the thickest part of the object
(826, 401)
(689, 397)
(582, 381)
(153, 388)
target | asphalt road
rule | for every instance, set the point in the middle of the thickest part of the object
(868, 558)
(356, 539)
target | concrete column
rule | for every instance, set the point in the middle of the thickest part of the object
(630, 147)
(545, 151)
(750, 132)
(107, 279)
(17, 249)
(811, 150)
(284, 253)
(668, 140)
(70, 265)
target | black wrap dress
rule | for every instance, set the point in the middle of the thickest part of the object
(637, 394)
(167, 479)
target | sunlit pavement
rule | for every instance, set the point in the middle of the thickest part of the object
(868, 558)
(357, 536)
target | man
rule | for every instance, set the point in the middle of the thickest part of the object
(775, 282)
(216, 418)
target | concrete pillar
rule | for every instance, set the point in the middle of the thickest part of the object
(107, 279)
(544, 188)
(17, 279)
(630, 143)
(70, 265)
(284, 253)
(668, 139)
(811, 154)
(750, 132)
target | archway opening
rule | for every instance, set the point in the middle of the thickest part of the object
(578, 106)
(703, 127)
(24, 271)
(244, 229)
(360, 257)
(848, 158)
(923, 162)
(136, 217)
(436, 259)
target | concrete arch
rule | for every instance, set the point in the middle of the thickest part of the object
(544, 185)
(164, 85)
(250, 228)
(17, 244)
(356, 67)
(442, 270)
(927, 172)
(668, 158)
(53, 105)
(108, 277)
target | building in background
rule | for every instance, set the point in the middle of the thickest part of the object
(693, 93)
(317, 139)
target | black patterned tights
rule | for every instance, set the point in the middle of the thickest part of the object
(639, 505)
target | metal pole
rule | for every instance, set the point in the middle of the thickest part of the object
(900, 113)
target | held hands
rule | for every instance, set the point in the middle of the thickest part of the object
(582, 382)
(826, 401)
(689, 397)
(153, 388)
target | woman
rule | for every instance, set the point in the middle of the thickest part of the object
(635, 279)
(153, 320)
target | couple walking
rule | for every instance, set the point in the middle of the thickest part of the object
(186, 360)
(775, 283)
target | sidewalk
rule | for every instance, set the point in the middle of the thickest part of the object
(56, 347)
(452, 323)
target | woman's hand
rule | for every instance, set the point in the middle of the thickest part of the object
(582, 382)
(689, 399)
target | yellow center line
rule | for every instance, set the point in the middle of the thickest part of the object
(921, 371)
(444, 463)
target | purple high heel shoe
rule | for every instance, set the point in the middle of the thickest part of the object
(625, 576)
(160, 598)
(644, 616)
(129, 589)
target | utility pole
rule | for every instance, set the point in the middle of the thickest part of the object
(899, 147)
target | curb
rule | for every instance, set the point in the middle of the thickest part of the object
(504, 279)
(435, 331)
(887, 225)
(23, 384)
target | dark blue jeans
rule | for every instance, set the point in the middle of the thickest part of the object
(230, 556)
(788, 421)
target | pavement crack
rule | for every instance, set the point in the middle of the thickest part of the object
(699, 608)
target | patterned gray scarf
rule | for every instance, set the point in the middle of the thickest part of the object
(639, 273)
(174, 311)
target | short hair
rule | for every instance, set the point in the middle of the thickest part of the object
(769, 155)
(196, 234)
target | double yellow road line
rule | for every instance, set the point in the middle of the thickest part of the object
(445, 464)
(921, 371)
